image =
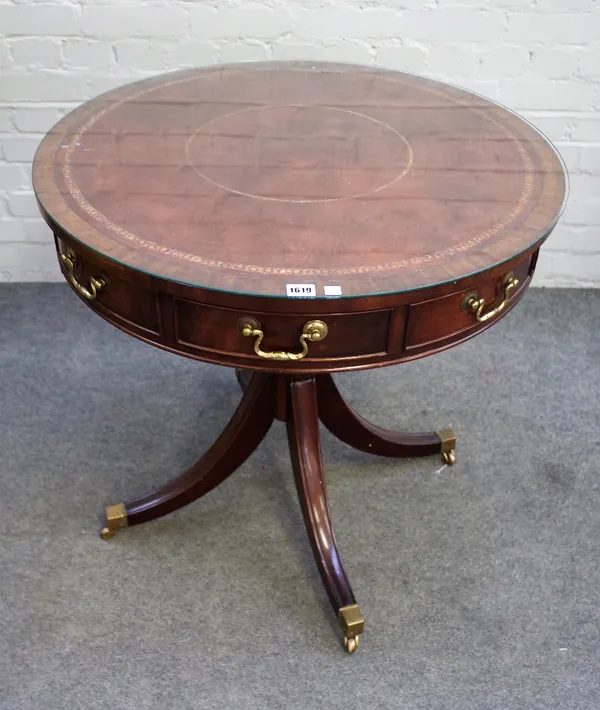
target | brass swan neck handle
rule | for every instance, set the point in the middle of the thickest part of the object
(88, 292)
(313, 331)
(473, 302)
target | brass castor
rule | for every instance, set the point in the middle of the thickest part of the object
(351, 644)
(116, 518)
(448, 445)
(353, 624)
(449, 457)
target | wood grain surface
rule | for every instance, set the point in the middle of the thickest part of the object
(246, 178)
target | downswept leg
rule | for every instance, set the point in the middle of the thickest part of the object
(348, 426)
(305, 449)
(244, 432)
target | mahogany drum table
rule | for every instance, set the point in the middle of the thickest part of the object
(292, 220)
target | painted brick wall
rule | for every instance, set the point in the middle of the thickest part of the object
(539, 57)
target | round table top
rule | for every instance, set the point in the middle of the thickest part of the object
(251, 178)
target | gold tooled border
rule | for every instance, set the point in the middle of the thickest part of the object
(81, 201)
(553, 186)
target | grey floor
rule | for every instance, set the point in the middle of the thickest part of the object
(480, 582)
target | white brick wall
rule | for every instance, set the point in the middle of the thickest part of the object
(540, 57)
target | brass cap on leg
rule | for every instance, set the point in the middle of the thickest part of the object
(116, 518)
(353, 624)
(448, 445)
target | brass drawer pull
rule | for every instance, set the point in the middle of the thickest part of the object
(472, 302)
(69, 260)
(313, 331)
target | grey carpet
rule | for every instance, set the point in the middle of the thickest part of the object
(480, 582)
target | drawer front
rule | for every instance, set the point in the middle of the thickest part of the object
(217, 329)
(106, 292)
(209, 331)
(436, 320)
(131, 305)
